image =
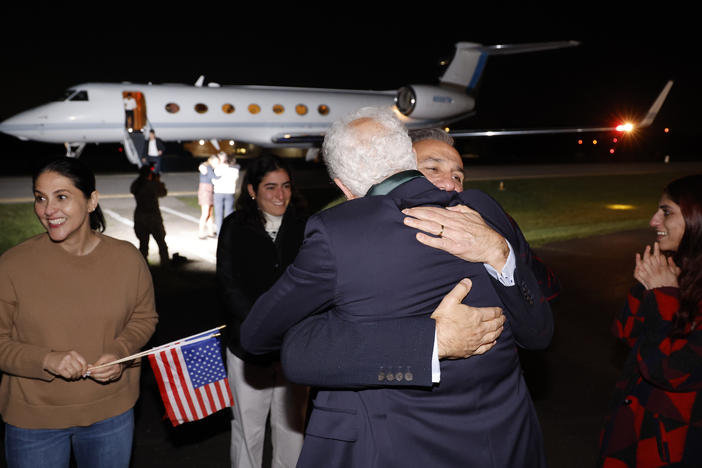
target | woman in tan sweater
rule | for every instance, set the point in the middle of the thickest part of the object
(71, 299)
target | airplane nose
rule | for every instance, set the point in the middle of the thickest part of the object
(18, 126)
(6, 126)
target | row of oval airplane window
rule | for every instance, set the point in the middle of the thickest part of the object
(200, 108)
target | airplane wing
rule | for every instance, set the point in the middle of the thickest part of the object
(315, 139)
(646, 121)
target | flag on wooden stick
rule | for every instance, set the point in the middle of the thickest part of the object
(192, 378)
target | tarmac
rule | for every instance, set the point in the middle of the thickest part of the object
(570, 382)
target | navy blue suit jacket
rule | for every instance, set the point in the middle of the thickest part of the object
(360, 263)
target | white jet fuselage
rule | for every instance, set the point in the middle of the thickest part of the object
(254, 114)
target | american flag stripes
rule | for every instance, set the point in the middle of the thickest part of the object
(192, 379)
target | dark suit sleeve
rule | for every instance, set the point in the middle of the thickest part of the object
(326, 351)
(525, 304)
(548, 282)
(527, 309)
(308, 283)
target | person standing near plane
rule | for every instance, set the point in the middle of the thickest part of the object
(147, 189)
(226, 175)
(205, 197)
(655, 415)
(95, 305)
(130, 105)
(256, 243)
(153, 151)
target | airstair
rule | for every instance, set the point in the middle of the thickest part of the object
(134, 144)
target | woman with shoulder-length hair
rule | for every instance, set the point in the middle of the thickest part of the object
(256, 243)
(656, 414)
(71, 300)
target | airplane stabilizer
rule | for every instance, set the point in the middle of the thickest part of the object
(470, 58)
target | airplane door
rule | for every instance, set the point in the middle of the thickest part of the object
(134, 110)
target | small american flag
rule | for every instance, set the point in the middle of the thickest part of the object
(192, 379)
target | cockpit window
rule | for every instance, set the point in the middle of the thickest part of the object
(66, 94)
(81, 95)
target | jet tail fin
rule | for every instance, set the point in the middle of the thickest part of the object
(656, 106)
(469, 60)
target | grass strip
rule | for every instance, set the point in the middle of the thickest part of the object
(547, 209)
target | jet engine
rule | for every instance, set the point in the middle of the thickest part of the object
(432, 102)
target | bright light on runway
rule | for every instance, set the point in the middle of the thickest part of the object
(185, 245)
(620, 207)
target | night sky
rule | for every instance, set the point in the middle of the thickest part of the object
(626, 56)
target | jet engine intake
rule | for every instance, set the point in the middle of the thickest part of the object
(432, 102)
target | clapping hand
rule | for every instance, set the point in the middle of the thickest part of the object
(655, 270)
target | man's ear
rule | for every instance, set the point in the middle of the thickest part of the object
(345, 189)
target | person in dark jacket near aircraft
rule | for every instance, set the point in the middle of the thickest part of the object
(147, 189)
(153, 151)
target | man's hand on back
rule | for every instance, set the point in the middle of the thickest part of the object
(461, 232)
(463, 331)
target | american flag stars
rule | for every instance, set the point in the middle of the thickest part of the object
(204, 362)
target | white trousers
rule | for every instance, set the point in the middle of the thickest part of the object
(258, 391)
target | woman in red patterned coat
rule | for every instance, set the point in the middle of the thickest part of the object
(656, 415)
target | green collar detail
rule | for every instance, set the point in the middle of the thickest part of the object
(392, 182)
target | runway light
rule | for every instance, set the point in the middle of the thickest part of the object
(594, 142)
(627, 127)
(580, 142)
(666, 130)
(617, 206)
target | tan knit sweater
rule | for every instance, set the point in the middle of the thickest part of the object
(98, 303)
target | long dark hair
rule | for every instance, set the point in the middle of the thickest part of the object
(256, 170)
(686, 192)
(83, 179)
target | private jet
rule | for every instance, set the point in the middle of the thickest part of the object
(265, 116)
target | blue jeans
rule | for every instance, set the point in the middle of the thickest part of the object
(223, 207)
(105, 444)
(156, 161)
